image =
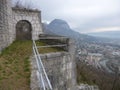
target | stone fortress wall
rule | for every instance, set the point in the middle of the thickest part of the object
(9, 17)
(31, 16)
(60, 68)
(62, 74)
(5, 23)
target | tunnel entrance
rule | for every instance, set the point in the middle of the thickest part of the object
(23, 30)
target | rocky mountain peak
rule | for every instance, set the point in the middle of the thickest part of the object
(59, 23)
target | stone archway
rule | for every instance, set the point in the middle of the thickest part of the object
(23, 30)
(31, 16)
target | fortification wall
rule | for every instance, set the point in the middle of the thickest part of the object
(10, 17)
(5, 18)
(60, 68)
(32, 16)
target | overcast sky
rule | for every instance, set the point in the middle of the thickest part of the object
(82, 15)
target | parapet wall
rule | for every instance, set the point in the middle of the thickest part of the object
(5, 24)
(60, 68)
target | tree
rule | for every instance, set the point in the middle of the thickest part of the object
(23, 4)
(18, 4)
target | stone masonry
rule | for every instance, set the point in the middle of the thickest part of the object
(9, 17)
(5, 18)
(60, 68)
(32, 16)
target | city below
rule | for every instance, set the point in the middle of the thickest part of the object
(104, 56)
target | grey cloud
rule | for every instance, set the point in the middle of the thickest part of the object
(108, 21)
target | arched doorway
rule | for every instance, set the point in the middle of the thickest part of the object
(23, 30)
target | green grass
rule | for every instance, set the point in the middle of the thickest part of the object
(15, 66)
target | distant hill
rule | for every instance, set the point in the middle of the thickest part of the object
(107, 34)
(61, 27)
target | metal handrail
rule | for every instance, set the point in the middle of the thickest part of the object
(47, 46)
(41, 69)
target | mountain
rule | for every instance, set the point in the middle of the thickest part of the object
(107, 34)
(46, 29)
(61, 27)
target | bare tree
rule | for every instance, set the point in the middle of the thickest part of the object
(18, 4)
(23, 4)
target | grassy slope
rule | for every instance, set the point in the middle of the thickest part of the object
(15, 66)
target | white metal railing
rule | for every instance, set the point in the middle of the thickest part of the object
(44, 81)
